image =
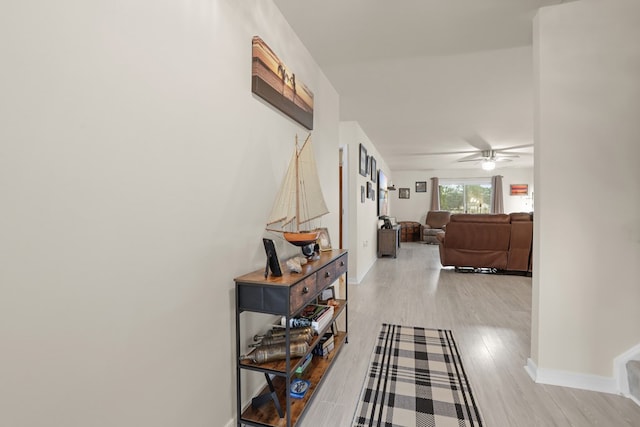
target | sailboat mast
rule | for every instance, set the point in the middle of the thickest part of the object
(297, 187)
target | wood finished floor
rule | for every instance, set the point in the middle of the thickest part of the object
(490, 316)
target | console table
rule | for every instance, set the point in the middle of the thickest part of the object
(286, 296)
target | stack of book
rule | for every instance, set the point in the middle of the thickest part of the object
(325, 345)
(317, 316)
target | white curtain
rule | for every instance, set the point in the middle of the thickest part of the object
(435, 194)
(497, 202)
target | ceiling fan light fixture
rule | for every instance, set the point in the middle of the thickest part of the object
(488, 165)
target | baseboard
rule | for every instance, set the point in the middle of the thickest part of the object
(531, 369)
(230, 423)
(360, 277)
(571, 379)
(620, 370)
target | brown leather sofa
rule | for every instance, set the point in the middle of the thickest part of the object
(497, 241)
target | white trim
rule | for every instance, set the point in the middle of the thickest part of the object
(531, 369)
(571, 379)
(620, 370)
(230, 423)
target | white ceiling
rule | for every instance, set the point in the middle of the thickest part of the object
(429, 81)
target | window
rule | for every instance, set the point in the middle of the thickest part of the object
(465, 196)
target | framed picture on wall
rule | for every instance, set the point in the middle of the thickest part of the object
(374, 170)
(363, 160)
(421, 186)
(362, 194)
(519, 189)
(369, 189)
(403, 193)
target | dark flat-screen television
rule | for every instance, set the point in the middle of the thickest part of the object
(383, 194)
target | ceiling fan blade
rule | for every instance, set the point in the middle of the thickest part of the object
(448, 153)
(515, 147)
(502, 159)
(478, 142)
(477, 159)
(472, 157)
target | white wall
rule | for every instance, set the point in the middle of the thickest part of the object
(586, 291)
(415, 208)
(136, 173)
(363, 217)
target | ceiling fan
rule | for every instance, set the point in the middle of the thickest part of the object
(490, 157)
(484, 153)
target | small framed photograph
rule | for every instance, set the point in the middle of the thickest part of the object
(369, 189)
(403, 193)
(324, 241)
(421, 186)
(372, 196)
(364, 160)
(273, 263)
(374, 170)
(362, 194)
(327, 295)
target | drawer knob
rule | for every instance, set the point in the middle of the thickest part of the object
(341, 263)
(305, 290)
(327, 274)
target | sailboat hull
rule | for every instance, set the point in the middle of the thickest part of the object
(301, 238)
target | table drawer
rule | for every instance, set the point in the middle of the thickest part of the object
(340, 266)
(300, 293)
(327, 275)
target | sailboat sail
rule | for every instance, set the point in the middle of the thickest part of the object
(300, 198)
(312, 204)
(284, 208)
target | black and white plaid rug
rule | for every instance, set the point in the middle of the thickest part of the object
(416, 378)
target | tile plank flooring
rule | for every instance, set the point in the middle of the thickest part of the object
(490, 316)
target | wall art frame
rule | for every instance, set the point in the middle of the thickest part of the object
(363, 160)
(374, 170)
(272, 81)
(519, 189)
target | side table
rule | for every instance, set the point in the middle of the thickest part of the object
(388, 241)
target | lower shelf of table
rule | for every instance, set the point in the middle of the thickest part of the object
(267, 414)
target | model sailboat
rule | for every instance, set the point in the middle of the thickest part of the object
(300, 198)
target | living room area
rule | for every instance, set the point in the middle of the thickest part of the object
(139, 171)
